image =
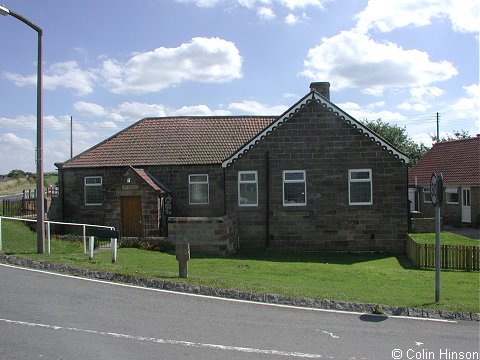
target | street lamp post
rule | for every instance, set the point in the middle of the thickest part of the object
(39, 155)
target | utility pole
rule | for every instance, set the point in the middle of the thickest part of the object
(71, 136)
(438, 127)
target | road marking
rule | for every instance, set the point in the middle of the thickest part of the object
(343, 312)
(332, 335)
(167, 341)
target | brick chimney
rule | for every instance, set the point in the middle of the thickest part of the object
(321, 87)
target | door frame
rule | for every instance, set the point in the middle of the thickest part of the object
(466, 204)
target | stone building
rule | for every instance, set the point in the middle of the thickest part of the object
(311, 179)
(459, 163)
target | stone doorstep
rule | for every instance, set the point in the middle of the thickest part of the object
(366, 309)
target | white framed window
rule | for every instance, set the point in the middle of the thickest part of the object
(247, 188)
(93, 190)
(360, 187)
(451, 194)
(198, 189)
(427, 195)
(294, 188)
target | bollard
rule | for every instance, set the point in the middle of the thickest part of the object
(182, 252)
(113, 244)
(91, 243)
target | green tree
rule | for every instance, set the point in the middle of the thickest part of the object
(16, 174)
(398, 137)
(456, 135)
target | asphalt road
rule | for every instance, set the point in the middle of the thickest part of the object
(46, 316)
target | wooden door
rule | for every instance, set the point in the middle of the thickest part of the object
(131, 216)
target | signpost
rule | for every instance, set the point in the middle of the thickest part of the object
(436, 191)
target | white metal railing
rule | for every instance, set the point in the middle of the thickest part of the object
(47, 222)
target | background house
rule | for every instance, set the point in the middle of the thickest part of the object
(459, 162)
(311, 179)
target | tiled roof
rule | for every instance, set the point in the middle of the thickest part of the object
(146, 177)
(458, 161)
(173, 141)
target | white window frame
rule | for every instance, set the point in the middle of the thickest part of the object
(198, 183)
(284, 182)
(452, 190)
(426, 190)
(241, 182)
(350, 181)
(87, 185)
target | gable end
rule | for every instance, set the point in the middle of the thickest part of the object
(314, 96)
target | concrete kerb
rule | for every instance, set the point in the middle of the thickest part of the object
(241, 295)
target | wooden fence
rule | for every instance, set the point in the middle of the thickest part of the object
(465, 258)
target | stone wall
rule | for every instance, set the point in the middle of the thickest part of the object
(317, 141)
(114, 187)
(424, 225)
(217, 235)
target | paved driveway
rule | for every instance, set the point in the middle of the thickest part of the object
(472, 233)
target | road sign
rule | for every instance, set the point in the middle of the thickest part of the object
(436, 189)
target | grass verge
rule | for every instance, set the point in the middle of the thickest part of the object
(364, 278)
(446, 238)
(18, 185)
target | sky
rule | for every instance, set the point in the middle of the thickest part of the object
(108, 64)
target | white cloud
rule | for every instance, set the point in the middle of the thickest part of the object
(421, 98)
(15, 153)
(418, 107)
(376, 104)
(89, 108)
(135, 110)
(467, 108)
(201, 3)
(291, 19)
(63, 74)
(256, 108)
(359, 112)
(386, 16)
(106, 125)
(251, 4)
(266, 9)
(19, 123)
(426, 92)
(266, 13)
(125, 111)
(60, 123)
(198, 110)
(13, 140)
(207, 60)
(351, 59)
(374, 90)
(302, 4)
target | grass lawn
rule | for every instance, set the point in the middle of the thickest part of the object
(365, 278)
(446, 238)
